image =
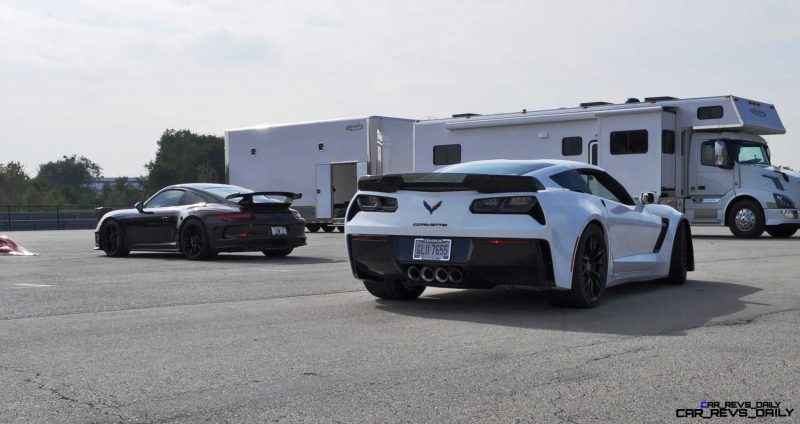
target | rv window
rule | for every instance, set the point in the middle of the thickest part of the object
(668, 142)
(447, 154)
(571, 146)
(628, 142)
(709, 112)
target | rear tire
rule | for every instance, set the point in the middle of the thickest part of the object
(327, 228)
(679, 259)
(589, 272)
(746, 219)
(393, 290)
(313, 228)
(277, 253)
(112, 240)
(782, 231)
(194, 241)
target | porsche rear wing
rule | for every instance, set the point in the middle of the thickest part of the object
(482, 183)
(247, 198)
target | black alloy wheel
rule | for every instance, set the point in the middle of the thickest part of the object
(194, 242)
(112, 240)
(589, 271)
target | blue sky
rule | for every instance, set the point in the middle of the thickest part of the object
(104, 78)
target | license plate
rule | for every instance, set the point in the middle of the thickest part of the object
(432, 249)
(278, 231)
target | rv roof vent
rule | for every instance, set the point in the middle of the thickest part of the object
(659, 99)
(590, 104)
(466, 115)
(632, 100)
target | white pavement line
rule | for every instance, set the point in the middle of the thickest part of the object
(33, 285)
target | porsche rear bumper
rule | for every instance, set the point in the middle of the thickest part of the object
(478, 262)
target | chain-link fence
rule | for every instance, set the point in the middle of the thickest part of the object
(24, 218)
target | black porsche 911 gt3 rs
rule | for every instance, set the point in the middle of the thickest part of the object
(201, 220)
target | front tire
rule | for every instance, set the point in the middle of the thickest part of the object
(194, 241)
(277, 253)
(782, 231)
(113, 240)
(589, 271)
(312, 228)
(679, 259)
(746, 219)
(393, 290)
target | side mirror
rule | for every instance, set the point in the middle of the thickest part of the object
(721, 157)
(647, 198)
(139, 207)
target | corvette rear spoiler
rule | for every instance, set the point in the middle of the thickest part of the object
(482, 183)
(248, 197)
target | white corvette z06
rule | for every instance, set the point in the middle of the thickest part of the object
(566, 227)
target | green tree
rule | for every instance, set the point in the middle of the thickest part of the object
(186, 157)
(13, 183)
(68, 179)
(121, 193)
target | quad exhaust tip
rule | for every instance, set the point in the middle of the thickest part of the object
(456, 276)
(427, 274)
(441, 275)
(413, 273)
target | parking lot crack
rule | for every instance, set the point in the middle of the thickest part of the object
(36, 379)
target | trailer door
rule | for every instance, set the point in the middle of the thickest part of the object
(324, 193)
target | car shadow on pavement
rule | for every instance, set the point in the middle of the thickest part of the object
(644, 308)
(226, 258)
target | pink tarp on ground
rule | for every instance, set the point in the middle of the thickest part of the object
(8, 247)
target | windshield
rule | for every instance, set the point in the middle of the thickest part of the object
(748, 152)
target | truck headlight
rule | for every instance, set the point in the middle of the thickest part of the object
(783, 202)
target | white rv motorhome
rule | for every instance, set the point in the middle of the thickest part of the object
(321, 160)
(704, 156)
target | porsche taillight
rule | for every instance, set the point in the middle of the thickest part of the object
(236, 216)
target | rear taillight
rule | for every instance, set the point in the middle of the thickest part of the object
(517, 204)
(520, 205)
(236, 216)
(370, 203)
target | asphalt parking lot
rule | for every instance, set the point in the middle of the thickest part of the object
(245, 338)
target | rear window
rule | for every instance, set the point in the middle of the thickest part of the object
(495, 168)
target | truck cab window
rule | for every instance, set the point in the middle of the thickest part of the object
(749, 153)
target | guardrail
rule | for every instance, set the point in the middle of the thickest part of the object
(26, 218)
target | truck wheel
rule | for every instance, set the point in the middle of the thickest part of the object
(393, 290)
(782, 231)
(746, 219)
(328, 228)
(589, 274)
(312, 228)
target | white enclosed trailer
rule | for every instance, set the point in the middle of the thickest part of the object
(321, 160)
(704, 156)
